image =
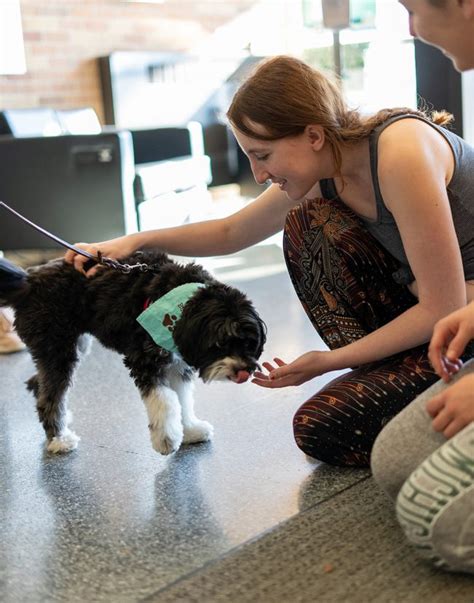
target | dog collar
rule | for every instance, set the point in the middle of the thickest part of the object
(160, 318)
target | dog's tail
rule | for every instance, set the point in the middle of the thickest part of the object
(13, 283)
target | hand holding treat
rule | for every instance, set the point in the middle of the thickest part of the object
(450, 337)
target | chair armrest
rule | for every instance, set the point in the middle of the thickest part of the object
(176, 175)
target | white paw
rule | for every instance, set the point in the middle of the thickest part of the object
(200, 431)
(66, 442)
(69, 417)
(167, 439)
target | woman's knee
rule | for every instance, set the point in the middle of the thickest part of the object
(315, 434)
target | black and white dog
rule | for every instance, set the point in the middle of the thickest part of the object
(212, 329)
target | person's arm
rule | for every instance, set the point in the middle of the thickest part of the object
(450, 337)
(415, 164)
(255, 222)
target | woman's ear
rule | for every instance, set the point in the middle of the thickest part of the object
(316, 136)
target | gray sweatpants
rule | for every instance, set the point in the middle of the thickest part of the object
(432, 481)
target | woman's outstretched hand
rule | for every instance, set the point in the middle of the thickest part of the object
(304, 368)
(114, 248)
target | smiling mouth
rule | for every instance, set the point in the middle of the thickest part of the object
(281, 183)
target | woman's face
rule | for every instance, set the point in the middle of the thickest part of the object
(449, 27)
(293, 163)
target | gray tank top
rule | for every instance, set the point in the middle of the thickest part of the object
(460, 193)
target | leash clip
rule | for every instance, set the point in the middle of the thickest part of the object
(127, 268)
(116, 265)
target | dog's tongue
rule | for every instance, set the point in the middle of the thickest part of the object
(241, 377)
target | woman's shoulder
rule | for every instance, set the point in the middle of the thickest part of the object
(408, 127)
(410, 137)
(413, 151)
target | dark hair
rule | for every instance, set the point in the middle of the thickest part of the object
(285, 95)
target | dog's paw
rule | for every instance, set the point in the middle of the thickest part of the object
(166, 441)
(200, 431)
(66, 442)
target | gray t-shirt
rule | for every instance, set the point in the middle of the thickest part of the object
(460, 193)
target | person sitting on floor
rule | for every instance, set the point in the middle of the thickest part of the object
(424, 458)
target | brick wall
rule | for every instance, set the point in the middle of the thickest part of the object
(63, 38)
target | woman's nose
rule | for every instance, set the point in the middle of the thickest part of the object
(261, 176)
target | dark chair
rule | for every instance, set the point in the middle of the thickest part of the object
(78, 187)
(92, 186)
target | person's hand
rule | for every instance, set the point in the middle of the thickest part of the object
(114, 248)
(453, 408)
(450, 337)
(299, 371)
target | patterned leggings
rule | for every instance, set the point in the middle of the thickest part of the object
(343, 278)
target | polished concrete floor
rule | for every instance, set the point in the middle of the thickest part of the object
(114, 521)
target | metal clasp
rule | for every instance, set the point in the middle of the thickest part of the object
(116, 265)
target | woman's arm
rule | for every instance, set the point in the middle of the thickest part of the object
(415, 165)
(414, 169)
(410, 329)
(258, 220)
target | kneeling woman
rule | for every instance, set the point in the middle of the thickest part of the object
(378, 221)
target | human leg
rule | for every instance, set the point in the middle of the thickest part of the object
(408, 439)
(343, 278)
(435, 505)
(341, 274)
(9, 340)
(340, 423)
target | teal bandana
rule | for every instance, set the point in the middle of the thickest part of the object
(160, 318)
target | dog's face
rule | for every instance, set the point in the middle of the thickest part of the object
(220, 334)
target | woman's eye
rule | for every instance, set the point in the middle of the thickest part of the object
(261, 157)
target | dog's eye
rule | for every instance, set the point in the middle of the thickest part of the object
(250, 345)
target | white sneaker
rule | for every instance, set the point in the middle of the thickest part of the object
(9, 340)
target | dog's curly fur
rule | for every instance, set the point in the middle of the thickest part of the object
(219, 335)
